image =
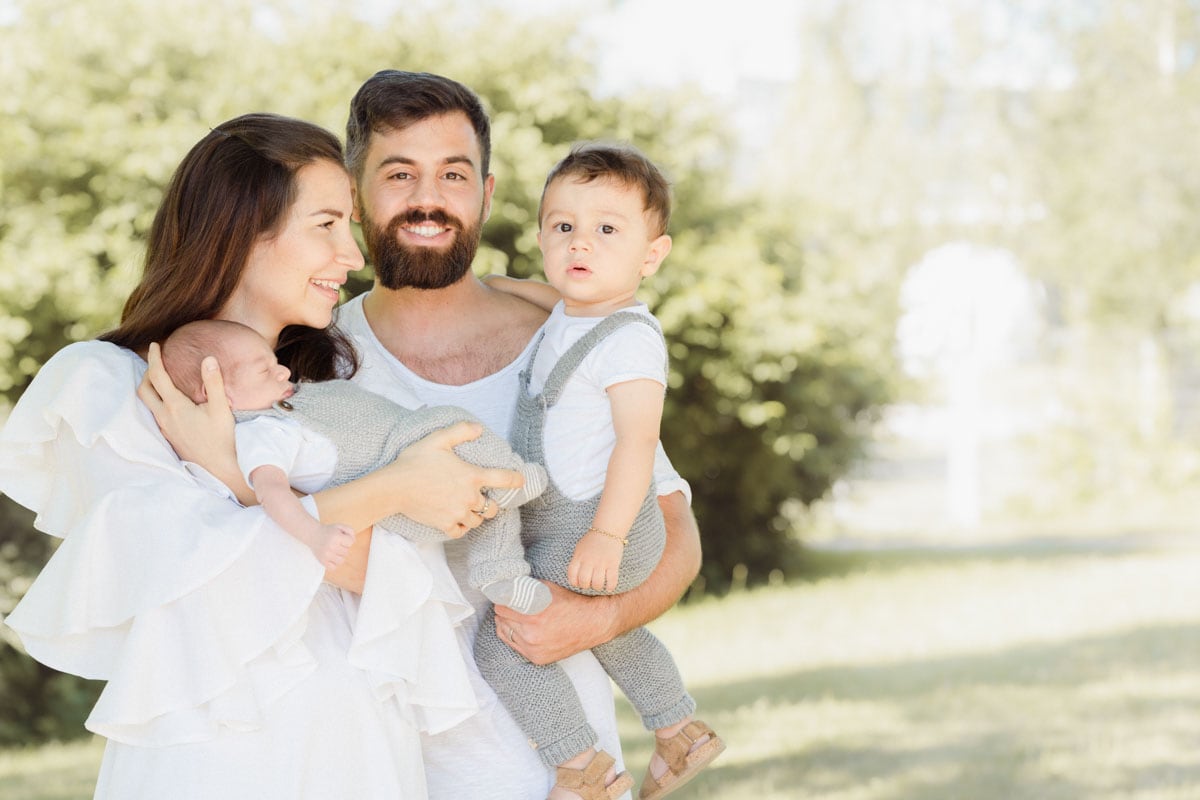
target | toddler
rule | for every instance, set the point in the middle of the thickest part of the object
(589, 408)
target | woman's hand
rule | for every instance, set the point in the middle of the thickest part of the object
(427, 483)
(437, 488)
(202, 434)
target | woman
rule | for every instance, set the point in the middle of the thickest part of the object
(234, 668)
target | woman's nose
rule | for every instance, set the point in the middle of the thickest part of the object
(349, 256)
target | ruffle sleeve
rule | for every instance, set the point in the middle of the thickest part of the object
(190, 606)
(404, 633)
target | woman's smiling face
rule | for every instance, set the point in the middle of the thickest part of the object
(294, 277)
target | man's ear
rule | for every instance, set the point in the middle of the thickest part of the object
(355, 213)
(489, 186)
(655, 253)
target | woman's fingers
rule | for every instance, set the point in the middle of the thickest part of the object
(449, 437)
(217, 403)
(157, 375)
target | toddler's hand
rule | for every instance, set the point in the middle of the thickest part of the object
(596, 563)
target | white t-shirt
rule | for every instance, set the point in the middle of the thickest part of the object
(487, 756)
(579, 435)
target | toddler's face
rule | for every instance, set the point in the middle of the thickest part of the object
(596, 244)
(255, 380)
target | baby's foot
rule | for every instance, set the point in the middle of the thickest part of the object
(535, 484)
(522, 594)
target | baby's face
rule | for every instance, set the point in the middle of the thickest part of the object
(255, 380)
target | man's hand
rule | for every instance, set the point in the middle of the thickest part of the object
(572, 623)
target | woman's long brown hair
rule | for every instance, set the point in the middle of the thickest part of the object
(233, 187)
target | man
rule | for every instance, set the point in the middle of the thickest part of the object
(418, 147)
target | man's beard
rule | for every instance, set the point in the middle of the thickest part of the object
(398, 266)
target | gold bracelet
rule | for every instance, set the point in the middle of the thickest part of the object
(623, 540)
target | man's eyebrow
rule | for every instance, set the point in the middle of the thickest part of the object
(397, 159)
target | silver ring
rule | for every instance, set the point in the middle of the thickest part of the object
(487, 503)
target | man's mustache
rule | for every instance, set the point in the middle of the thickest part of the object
(436, 216)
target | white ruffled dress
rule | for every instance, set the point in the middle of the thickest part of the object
(232, 670)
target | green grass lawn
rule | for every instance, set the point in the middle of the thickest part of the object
(1017, 674)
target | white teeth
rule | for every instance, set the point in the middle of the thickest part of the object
(425, 230)
(334, 285)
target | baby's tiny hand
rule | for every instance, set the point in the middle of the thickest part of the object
(597, 561)
(332, 545)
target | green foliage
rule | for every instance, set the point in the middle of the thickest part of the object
(1116, 170)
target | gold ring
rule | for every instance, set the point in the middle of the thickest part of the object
(512, 636)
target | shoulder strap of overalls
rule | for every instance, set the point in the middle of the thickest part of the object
(574, 356)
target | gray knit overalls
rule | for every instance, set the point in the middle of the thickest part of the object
(369, 431)
(542, 699)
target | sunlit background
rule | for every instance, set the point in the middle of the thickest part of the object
(934, 315)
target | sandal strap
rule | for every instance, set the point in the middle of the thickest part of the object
(587, 782)
(675, 750)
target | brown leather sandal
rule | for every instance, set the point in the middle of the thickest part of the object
(588, 782)
(683, 763)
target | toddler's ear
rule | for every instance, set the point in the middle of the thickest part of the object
(655, 253)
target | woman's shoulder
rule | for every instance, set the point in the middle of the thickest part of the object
(87, 362)
(86, 384)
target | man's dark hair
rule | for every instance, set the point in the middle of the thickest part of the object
(391, 100)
